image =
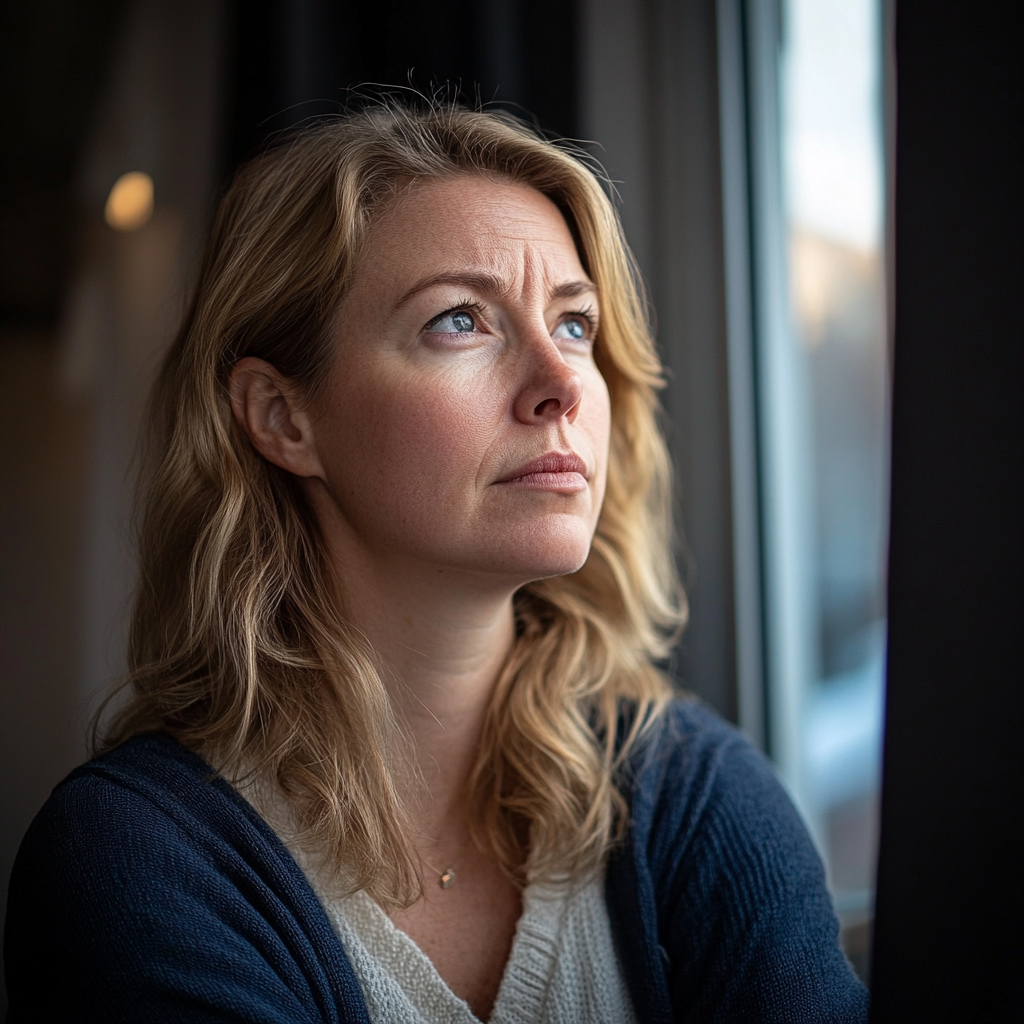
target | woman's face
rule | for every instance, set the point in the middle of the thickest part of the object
(465, 425)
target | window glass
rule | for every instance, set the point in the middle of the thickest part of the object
(823, 391)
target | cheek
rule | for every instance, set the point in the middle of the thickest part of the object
(405, 439)
(596, 422)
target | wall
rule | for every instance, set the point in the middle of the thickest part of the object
(73, 397)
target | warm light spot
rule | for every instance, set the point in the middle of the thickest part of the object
(130, 203)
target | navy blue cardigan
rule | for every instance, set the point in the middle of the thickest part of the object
(146, 889)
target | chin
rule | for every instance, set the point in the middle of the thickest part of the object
(540, 554)
(551, 570)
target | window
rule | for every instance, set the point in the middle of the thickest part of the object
(820, 377)
(777, 393)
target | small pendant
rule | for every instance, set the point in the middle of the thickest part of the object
(448, 878)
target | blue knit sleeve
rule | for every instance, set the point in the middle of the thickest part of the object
(728, 880)
(158, 899)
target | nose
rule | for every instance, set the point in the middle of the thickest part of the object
(552, 388)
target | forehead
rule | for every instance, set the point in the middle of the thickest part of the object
(472, 220)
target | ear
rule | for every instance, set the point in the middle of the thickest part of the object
(270, 410)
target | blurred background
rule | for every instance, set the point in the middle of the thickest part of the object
(748, 142)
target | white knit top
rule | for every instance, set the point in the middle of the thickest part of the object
(563, 968)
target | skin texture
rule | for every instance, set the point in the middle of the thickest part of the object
(464, 353)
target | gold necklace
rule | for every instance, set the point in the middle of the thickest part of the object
(445, 879)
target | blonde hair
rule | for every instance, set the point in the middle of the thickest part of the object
(235, 643)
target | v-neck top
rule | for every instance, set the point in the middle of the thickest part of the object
(562, 969)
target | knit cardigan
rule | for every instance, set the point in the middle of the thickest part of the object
(148, 889)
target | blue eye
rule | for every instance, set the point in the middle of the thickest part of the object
(454, 323)
(573, 327)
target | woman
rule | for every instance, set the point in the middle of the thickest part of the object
(395, 748)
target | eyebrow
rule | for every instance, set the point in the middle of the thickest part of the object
(490, 283)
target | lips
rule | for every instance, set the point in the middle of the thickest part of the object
(547, 467)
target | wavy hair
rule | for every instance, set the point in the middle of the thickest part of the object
(236, 646)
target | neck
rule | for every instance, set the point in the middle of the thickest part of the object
(439, 658)
(441, 640)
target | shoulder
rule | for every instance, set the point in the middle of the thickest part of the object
(149, 812)
(729, 883)
(697, 778)
(148, 781)
(707, 809)
(159, 891)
